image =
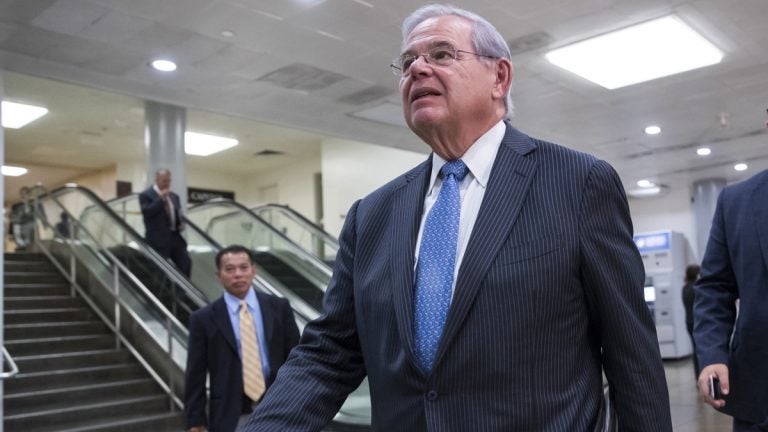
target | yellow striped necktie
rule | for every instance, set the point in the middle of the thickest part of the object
(253, 377)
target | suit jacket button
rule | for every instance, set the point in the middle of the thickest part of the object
(431, 395)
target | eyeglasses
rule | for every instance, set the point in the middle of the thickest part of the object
(438, 56)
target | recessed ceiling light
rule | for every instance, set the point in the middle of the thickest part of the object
(653, 130)
(13, 171)
(703, 151)
(645, 183)
(639, 53)
(646, 192)
(199, 144)
(164, 65)
(17, 115)
(740, 167)
(228, 33)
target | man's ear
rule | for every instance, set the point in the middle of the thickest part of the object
(504, 73)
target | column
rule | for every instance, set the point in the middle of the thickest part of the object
(164, 127)
(2, 244)
(705, 193)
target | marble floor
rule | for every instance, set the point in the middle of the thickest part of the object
(689, 413)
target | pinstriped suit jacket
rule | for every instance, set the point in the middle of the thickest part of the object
(550, 276)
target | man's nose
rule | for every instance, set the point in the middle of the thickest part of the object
(420, 65)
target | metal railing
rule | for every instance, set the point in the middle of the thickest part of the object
(175, 332)
(319, 271)
(127, 208)
(14, 368)
(302, 231)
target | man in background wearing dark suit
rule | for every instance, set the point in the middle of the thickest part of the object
(488, 288)
(239, 340)
(731, 346)
(162, 213)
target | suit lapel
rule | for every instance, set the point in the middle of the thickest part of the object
(407, 206)
(223, 323)
(760, 204)
(511, 177)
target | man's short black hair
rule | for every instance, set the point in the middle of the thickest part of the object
(234, 249)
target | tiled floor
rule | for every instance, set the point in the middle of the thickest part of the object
(689, 414)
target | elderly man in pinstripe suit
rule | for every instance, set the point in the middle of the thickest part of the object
(488, 288)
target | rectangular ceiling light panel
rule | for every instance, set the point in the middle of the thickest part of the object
(643, 52)
(13, 171)
(199, 144)
(17, 115)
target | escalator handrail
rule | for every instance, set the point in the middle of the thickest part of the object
(190, 290)
(317, 263)
(317, 229)
(14, 367)
(120, 266)
(258, 280)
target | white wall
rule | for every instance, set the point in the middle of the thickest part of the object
(352, 170)
(291, 185)
(134, 172)
(219, 181)
(670, 212)
(103, 182)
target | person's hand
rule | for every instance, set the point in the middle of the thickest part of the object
(719, 371)
(196, 429)
(164, 193)
(182, 226)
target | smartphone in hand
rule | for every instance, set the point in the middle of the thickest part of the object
(714, 388)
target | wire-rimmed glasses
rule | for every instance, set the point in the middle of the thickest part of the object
(439, 56)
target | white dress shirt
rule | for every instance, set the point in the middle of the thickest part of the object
(479, 158)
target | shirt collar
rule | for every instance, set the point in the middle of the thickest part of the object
(478, 158)
(233, 303)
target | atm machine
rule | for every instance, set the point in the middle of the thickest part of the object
(664, 258)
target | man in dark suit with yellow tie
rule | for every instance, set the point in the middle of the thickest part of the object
(239, 341)
(488, 288)
(161, 211)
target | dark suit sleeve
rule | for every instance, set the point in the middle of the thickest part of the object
(714, 310)
(195, 375)
(613, 278)
(326, 366)
(150, 206)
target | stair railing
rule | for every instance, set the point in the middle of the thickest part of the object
(14, 368)
(119, 270)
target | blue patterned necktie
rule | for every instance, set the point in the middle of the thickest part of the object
(437, 261)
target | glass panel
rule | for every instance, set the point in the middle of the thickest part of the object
(103, 232)
(280, 261)
(300, 230)
(201, 251)
(103, 278)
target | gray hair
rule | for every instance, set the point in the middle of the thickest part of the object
(486, 40)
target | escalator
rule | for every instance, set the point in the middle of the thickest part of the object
(303, 232)
(130, 328)
(91, 222)
(284, 269)
(301, 274)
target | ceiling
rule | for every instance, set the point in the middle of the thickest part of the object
(294, 72)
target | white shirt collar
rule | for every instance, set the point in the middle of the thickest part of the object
(478, 158)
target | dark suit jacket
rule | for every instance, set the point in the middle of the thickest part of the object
(212, 350)
(735, 266)
(549, 277)
(156, 221)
